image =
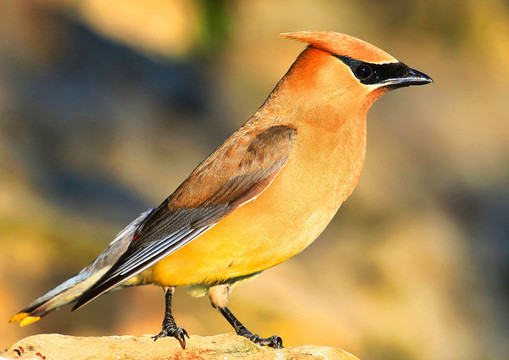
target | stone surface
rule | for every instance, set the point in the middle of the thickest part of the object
(224, 347)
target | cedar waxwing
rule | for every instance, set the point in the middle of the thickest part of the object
(262, 197)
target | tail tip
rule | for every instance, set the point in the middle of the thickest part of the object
(18, 317)
(24, 319)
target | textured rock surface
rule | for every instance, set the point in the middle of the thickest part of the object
(224, 347)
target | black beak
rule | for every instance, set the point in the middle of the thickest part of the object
(408, 78)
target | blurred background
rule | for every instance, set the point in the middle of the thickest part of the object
(106, 106)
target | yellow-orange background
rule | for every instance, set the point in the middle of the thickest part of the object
(105, 106)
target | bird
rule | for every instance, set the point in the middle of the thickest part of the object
(261, 197)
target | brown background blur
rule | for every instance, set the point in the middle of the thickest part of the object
(106, 106)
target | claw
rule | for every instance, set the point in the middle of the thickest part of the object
(178, 333)
(274, 341)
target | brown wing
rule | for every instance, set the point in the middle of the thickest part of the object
(242, 161)
(236, 173)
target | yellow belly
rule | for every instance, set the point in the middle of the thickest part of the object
(279, 224)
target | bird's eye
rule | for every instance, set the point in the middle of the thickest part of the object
(363, 72)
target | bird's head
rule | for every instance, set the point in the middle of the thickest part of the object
(340, 67)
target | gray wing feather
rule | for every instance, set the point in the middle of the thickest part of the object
(72, 288)
(178, 224)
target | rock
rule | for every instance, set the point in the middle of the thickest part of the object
(224, 347)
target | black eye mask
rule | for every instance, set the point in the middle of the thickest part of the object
(371, 74)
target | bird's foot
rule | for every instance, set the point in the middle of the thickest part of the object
(274, 341)
(178, 333)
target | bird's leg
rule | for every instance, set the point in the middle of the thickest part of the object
(273, 341)
(170, 328)
(218, 295)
